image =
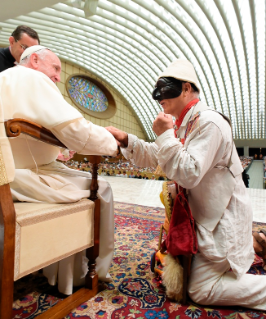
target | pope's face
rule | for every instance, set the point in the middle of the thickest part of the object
(17, 47)
(50, 65)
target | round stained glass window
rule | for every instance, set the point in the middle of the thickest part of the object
(87, 94)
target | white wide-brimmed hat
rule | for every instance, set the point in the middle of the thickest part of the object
(31, 50)
(183, 70)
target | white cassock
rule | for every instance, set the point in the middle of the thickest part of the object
(31, 95)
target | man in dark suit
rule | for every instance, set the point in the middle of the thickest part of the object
(21, 38)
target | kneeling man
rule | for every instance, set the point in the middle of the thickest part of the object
(199, 154)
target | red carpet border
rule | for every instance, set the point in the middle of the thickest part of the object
(135, 292)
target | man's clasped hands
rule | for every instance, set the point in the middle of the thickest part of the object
(162, 123)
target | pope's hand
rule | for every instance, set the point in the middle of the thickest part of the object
(66, 156)
(120, 136)
(162, 123)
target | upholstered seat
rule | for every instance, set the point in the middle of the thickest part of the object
(66, 228)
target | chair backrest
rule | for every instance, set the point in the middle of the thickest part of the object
(7, 165)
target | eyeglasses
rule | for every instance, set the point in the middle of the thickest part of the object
(24, 47)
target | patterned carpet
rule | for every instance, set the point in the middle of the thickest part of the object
(134, 292)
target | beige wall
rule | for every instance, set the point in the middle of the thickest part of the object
(124, 118)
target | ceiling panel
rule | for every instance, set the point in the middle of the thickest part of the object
(129, 42)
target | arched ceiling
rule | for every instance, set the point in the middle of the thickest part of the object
(130, 42)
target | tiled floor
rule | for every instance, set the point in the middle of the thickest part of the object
(256, 175)
(136, 191)
(146, 192)
(258, 202)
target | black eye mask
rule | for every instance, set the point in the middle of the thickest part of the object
(167, 88)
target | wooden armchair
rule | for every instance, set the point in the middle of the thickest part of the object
(19, 223)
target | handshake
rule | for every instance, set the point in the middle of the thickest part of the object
(162, 123)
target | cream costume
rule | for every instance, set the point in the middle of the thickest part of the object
(208, 166)
(30, 94)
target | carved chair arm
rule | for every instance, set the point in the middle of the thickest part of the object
(15, 127)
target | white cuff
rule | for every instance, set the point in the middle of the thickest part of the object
(131, 140)
(164, 138)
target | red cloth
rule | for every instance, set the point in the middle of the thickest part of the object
(179, 121)
(181, 238)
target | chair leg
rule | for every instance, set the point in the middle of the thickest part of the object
(91, 280)
(92, 253)
(7, 252)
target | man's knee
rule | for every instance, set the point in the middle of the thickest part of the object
(200, 288)
(198, 294)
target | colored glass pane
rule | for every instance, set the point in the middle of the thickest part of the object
(87, 94)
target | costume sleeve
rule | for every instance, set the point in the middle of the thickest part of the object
(86, 138)
(140, 153)
(188, 165)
